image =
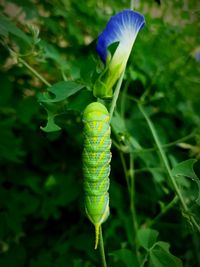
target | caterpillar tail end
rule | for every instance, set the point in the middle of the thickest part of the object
(97, 232)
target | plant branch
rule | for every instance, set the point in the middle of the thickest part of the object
(184, 138)
(132, 194)
(132, 203)
(151, 149)
(125, 169)
(148, 169)
(164, 210)
(167, 167)
(23, 62)
(116, 94)
(101, 248)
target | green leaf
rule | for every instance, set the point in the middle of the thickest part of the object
(147, 237)
(87, 69)
(185, 168)
(50, 51)
(79, 101)
(118, 124)
(160, 256)
(60, 103)
(61, 91)
(51, 126)
(134, 143)
(119, 127)
(126, 256)
(157, 175)
(7, 27)
(50, 182)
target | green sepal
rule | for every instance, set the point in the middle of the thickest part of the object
(101, 91)
(103, 87)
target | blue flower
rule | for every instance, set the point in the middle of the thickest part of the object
(197, 57)
(122, 29)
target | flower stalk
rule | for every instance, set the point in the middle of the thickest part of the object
(101, 248)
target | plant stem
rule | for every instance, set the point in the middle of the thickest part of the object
(132, 203)
(129, 175)
(144, 260)
(184, 138)
(151, 149)
(148, 170)
(123, 99)
(132, 4)
(166, 164)
(125, 170)
(22, 61)
(132, 194)
(165, 210)
(116, 94)
(101, 248)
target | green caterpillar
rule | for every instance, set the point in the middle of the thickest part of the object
(96, 164)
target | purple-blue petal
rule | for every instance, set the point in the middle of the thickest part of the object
(113, 31)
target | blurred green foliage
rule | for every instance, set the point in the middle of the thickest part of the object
(42, 220)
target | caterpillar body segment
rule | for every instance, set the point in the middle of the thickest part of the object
(96, 164)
